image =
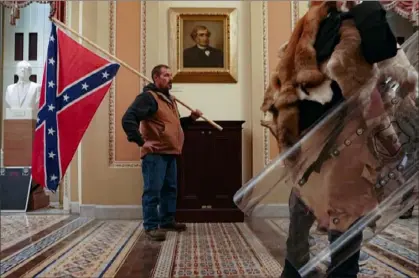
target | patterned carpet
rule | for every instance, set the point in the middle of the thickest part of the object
(19, 227)
(71, 246)
(208, 250)
(92, 255)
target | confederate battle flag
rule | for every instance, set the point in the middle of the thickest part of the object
(74, 83)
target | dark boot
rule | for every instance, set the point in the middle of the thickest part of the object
(290, 271)
(176, 227)
(298, 241)
(408, 214)
(341, 265)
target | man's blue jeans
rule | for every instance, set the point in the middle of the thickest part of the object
(160, 189)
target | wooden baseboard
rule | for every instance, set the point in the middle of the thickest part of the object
(131, 212)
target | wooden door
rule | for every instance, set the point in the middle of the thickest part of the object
(209, 173)
(226, 168)
(194, 170)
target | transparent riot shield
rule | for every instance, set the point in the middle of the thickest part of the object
(354, 172)
(411, 48)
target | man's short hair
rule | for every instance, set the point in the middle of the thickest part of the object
(157, 70)
(195, 30)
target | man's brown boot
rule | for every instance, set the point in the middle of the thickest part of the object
(177, 227)
(156, 235)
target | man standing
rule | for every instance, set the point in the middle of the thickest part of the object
(152, 122)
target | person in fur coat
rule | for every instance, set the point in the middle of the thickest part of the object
(349, 76)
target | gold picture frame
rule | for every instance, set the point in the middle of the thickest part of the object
(221, 27)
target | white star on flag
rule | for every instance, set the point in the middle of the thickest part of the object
(51, 131)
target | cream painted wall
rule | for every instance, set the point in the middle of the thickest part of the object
(303, 7)
(257, 37)
(102, 185)
(74, 14)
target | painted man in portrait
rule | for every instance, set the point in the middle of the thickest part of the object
(202, 55)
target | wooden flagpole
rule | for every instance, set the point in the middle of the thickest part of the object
(62, 25)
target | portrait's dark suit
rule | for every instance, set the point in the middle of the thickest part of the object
(195, 57)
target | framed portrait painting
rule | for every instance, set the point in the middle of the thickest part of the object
(203, 45)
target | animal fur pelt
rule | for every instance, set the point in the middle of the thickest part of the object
(298, 65)
(346, 66)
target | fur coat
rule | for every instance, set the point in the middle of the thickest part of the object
(349, 182)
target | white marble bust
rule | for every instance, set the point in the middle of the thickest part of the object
(25, 93)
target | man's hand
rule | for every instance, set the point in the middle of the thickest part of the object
(196, 114)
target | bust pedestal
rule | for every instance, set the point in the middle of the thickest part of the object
(38, 199)
(19, 127)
